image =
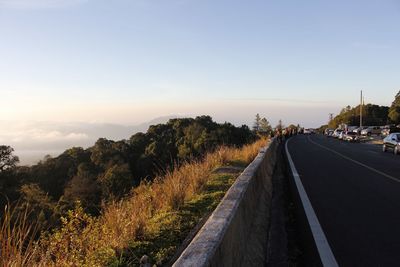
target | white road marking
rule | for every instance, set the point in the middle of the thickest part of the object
(355, 161)
(324, 250)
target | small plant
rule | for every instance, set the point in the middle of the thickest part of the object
(76, 242)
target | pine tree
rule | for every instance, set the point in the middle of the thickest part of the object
(265, 126)
(257, 121)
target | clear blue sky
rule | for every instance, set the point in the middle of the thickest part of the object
(127, 61)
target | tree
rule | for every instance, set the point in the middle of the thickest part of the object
(9, 181)
(138, 143)
(394, 110)
(257, 121)
(84, 187)
(194, 141)
(117, 181)
(40, 204)
(7, 159)
(103, 153)
(265, 126)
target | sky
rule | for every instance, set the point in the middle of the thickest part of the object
(129, 61)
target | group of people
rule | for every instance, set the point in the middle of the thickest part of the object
(285, 133)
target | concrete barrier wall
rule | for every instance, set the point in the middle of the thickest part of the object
(236, 233)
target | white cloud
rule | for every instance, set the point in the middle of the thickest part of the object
(32, 140)
(38, 4)
(40, 135)
(51, 136)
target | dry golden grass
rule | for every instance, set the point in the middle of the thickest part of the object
(127, 219)
(87, 241)
(16, 238)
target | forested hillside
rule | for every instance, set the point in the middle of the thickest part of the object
(372, 115)
(118, 200)
(109, 169)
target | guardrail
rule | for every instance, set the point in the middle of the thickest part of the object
(236, 234)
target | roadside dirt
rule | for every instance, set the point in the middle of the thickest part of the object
(283, 244)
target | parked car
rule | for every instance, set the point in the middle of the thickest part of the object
(388, 130)
(340, 135)
(359, 129)
(372, 130)
(329, 133)
(337, 132)
(350, 137)
(351, 128)
(326, 131)
(392, 142)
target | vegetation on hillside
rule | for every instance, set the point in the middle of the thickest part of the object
(372, 115)
(108, 170)
(152, 219)
(394, 110)
(109, 203)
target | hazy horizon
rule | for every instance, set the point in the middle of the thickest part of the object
(33, 141)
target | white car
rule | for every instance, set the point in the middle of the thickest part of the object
(359, 129)
(337, 132)
(329, 132)
(372, 130)
(392, 141)
(351, 128)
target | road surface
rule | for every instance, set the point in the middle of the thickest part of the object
(354, 190)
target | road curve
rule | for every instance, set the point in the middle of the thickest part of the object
(354, 190)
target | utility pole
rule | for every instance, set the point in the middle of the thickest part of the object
(361, 106)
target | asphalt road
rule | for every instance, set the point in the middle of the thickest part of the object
(354, 190)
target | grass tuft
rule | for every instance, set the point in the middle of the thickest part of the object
(17, 245)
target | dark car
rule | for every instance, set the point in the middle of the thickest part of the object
(392, 142)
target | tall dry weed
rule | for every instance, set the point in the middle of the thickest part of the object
(17, 237)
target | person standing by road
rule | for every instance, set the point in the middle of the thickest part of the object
(278, 135)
